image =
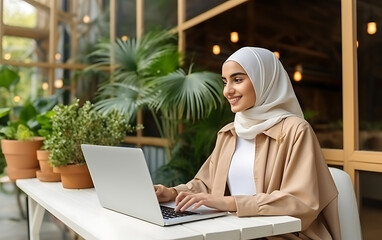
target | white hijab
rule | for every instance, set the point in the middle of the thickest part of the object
(275, 98)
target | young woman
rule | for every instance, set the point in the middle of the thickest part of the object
(268, 161)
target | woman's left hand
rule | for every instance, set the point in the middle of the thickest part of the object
(184, 200)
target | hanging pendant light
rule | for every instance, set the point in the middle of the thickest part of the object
(216, 49)
(234, 37)
(297, 76)
(371, 27)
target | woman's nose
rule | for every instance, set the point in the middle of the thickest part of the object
(228, 88)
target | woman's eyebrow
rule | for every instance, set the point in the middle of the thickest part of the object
(234, 75)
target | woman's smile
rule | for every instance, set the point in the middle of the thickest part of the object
(233, 100)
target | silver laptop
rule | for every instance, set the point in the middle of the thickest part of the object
(123, 183)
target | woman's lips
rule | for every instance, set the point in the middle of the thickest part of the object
(233, 100)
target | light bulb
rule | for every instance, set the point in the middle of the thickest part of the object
(58, 83)
(297, 76)
(57, 56)
(86, 19)
(7, 56)
(234, 37)
(16, 99)
(216, 49)
(371, 28)
(45, 86)
(124, 38)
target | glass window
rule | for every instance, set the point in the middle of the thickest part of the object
(307, 39)
(369, 36)
(20, 33)
(196, 7)
(370, 207)
(19, 13)
(20, 49)
(30, 85)
(160, 14)
(78, 35)
(126, 18)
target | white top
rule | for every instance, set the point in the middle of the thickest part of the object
(240, 175)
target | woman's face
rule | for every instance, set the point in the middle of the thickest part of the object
(238, 88)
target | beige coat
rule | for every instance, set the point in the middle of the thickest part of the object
(290, 173)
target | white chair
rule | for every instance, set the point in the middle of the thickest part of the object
(347, 206)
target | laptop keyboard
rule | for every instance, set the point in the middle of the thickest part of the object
(169, 212)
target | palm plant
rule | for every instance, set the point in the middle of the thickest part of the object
(185, 97)
(146, 74)
(134, 64)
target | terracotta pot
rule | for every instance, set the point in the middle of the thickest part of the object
(21, 158)
(18, 173)
(75, 176)
(46, 174)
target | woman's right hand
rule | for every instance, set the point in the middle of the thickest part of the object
(165, 194)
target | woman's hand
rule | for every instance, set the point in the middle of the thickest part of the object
(185, 200)
(165, 194)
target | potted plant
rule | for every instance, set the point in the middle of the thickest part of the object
(73, 125)
(147, 76)
(21, 137)
(19, 128)
(19, 144)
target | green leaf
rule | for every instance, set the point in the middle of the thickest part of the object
(27, 112)
(9, 132)
(44, 104)
(4, 112)
(8, 77)
(192, 96)
(23, 132)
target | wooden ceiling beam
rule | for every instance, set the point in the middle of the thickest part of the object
(33, 33)
(208, 14)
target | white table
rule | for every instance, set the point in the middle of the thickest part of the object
(81, 211)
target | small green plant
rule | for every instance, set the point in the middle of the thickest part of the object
(23, 127)
(19, 122)
(28, 120)
(73, 125)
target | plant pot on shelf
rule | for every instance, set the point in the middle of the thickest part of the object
(75, 176)
(46, 174)
(21, 158)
